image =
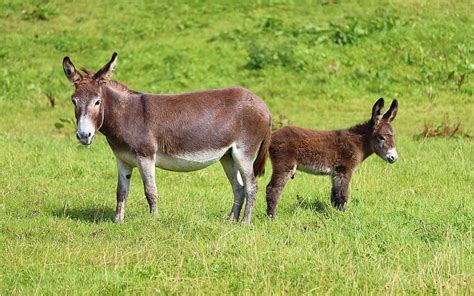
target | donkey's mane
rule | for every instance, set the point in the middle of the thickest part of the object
(112, 83)
(120, 86)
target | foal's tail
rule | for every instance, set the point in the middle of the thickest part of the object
(259, 163)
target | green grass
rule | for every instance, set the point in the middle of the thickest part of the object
(408, 227)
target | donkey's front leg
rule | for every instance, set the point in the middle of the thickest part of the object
(123, 185)
(340, 190)
(146, 165)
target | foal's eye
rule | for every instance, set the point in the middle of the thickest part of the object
(97, 103)
(381, 138)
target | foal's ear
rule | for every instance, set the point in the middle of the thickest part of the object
(104, 74)
(70, 71)
(377, 110)
(392, 112)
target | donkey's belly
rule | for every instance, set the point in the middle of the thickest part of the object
(187, 162)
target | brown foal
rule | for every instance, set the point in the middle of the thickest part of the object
(334, 153)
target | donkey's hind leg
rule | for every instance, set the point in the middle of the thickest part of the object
(232, 174)
(244, 162)
(280, 176)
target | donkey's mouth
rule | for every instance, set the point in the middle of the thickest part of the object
(87, 141)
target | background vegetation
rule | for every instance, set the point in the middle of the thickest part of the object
(318, 64)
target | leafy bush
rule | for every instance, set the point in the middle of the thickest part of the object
(261, 57)
(42, 12)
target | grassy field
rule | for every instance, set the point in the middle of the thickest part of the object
(408, 227)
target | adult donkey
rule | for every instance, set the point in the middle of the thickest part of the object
(178, 132)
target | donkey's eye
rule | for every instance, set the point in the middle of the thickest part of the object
(97, 103)
(381, 138)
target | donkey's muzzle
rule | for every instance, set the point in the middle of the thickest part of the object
(84, 137)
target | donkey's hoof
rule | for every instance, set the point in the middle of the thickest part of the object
(246, 221)
(233, 218)
(118, 219)
(153, 212)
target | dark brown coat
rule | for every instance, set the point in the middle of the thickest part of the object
(334, 153)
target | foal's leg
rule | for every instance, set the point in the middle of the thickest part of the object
(123, 185)
(280, 176)
(340, 190)
(147, 171)
(232, 174)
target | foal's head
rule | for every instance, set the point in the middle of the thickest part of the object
(382, 140)
(87, 97)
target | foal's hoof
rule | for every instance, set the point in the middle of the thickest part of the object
(339, 205)
(271, 215)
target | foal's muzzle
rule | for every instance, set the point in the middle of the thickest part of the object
(391, 155)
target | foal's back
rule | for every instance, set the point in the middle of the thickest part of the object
(317, 152)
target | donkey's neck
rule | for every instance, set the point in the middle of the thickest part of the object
(116, 98)
(362, 134)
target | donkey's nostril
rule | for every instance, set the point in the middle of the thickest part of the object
(77, 136)
(88, 135)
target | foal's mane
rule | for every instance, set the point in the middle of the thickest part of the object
(361, 128)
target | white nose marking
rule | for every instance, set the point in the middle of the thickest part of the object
(85, 130)
(392, 154)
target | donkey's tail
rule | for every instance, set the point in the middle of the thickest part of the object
(259, 163)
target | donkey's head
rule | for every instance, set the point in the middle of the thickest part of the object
(382, 140)
(87, 97)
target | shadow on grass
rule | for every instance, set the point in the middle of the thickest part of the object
(313, 205)
(91, 215)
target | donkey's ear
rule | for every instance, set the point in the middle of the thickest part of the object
(104, 74)
(392, 112)
(70, 71)
(377, 111)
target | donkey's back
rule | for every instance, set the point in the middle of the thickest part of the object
(205, 119)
